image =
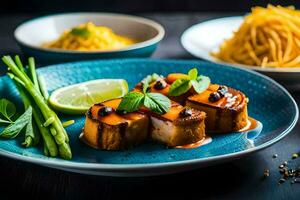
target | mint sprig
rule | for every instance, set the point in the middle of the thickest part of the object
(132, 101)
(7, 111)
(155, 102)
(16, 127)
(182, 85)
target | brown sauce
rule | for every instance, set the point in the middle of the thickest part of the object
(251, 124)
(202, 142)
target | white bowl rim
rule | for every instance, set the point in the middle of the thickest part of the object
(215, 60)
(149, 42)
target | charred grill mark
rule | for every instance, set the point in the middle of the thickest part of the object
(99, 134)
(99, 104)
(89, 113)
(123, 127)
(195, 117)
(218, 119)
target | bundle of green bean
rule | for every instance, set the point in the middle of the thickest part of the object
(34, 95)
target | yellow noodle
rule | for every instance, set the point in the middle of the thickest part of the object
(268, 37)
(89, 37)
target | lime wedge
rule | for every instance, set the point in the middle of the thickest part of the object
(78, 98)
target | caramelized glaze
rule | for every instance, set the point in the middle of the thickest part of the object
(113, 118)
(174, 76)
(233, 99)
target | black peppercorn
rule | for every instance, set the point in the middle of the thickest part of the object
(281, 181)
(186, 112)
(121, 112)
(104, 111)
(213, 97)
(160, 84)
(222, 90)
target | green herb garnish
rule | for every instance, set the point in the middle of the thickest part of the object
(82, 32)
(156, 102)
(15, 128)
(132, 101)
(7, 111)
(182, 85)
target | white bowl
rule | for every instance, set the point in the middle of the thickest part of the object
(205, 37)
(33, 33)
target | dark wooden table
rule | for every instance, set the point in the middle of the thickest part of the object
(241, 179)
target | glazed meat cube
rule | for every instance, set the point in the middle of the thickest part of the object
(179, 126)
(106, 129)
(226, 108)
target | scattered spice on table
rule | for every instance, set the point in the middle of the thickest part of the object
(266, 173)
(287, 171)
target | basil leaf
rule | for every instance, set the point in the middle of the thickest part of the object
(157, 103)
(201, 84)
(7, 109)
(14, 129)
(82, 32)
(180, 86)
(131, 102)
(193, 73)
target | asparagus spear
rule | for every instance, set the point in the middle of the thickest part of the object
(43, 87)
(39, 119)
(32, 73)
(32, 136)
(56, 127)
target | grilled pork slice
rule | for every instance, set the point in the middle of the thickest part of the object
(226, 108)
(179, 126)
(105, 129)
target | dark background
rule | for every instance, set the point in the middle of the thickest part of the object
(240, 179)
(133, 6)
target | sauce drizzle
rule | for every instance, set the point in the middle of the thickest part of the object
(202, 142)
(251, 124)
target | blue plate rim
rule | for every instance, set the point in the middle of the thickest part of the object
(134, 167)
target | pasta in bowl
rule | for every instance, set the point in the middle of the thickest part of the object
(89, 37)
(70, 37)
(268, 37)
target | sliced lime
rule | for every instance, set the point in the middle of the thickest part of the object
(78, 98)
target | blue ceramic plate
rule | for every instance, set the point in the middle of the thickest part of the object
(269, 103)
